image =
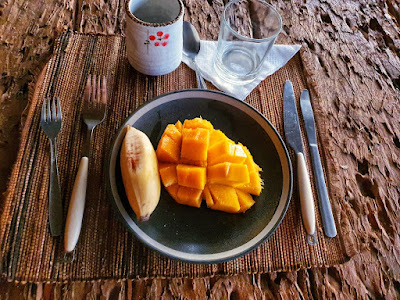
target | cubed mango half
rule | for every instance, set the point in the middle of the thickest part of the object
(198, 162)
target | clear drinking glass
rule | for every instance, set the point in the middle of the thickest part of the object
(248, 31)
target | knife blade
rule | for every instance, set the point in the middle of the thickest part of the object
(294, 139)
(328, 221)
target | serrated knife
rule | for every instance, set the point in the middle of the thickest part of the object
(325, 207)
(293, 138)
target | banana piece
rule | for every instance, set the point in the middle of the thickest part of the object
(139, 168)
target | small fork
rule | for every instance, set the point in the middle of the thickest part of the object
(93, 113)
(50, 121)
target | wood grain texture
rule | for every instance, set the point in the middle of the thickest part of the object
(350, 54)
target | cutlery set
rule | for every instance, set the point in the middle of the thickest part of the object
(94, 112)
(295, 141)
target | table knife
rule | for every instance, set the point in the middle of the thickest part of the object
(325, 207)
(294, 139)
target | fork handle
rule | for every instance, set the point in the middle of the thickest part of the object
(55, 201)
(76, 207)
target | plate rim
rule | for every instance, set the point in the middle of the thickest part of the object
(180, 255)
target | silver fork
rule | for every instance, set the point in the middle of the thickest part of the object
(93, 113)
(50, 121)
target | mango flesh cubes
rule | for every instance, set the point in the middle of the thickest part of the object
(198, 162)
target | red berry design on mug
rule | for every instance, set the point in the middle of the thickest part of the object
(159, 39)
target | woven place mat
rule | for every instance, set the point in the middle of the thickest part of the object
(106, 249)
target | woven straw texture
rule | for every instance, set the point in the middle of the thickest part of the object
(106, 249)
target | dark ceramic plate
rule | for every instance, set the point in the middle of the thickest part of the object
(201, 235)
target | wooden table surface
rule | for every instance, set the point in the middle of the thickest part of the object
(351, 56)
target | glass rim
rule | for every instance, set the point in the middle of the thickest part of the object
(230, 3)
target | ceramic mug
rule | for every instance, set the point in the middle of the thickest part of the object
(154, 37)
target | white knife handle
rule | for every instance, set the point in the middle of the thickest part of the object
(306, 197)
(76, 207)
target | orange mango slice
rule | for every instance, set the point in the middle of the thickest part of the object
(228, 173)
(168, 150)
(251, 165)
(245, 200)
(198, 123)
(174, 133)
(254, 186)
(189, 196)
(179, 126)
(168, 174)
(224, 198)
(191, 176)
(217, 136)
(208, 197)
(195, 145)
(173, 191)
(226, 151)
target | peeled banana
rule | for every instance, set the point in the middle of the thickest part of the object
(139, 168)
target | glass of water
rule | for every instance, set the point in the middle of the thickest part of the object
(248, 31)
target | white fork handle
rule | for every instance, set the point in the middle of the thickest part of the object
(306, 198)
(76, 207)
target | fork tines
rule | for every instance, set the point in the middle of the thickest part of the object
(51, 110)
(96, 89)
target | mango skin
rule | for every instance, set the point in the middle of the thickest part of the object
(139, 168)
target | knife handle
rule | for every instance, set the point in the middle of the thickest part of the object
(76, 207)
(306, 196)
(325, 206)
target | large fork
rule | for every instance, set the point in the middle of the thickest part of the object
(50, 121)
(93, 113)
